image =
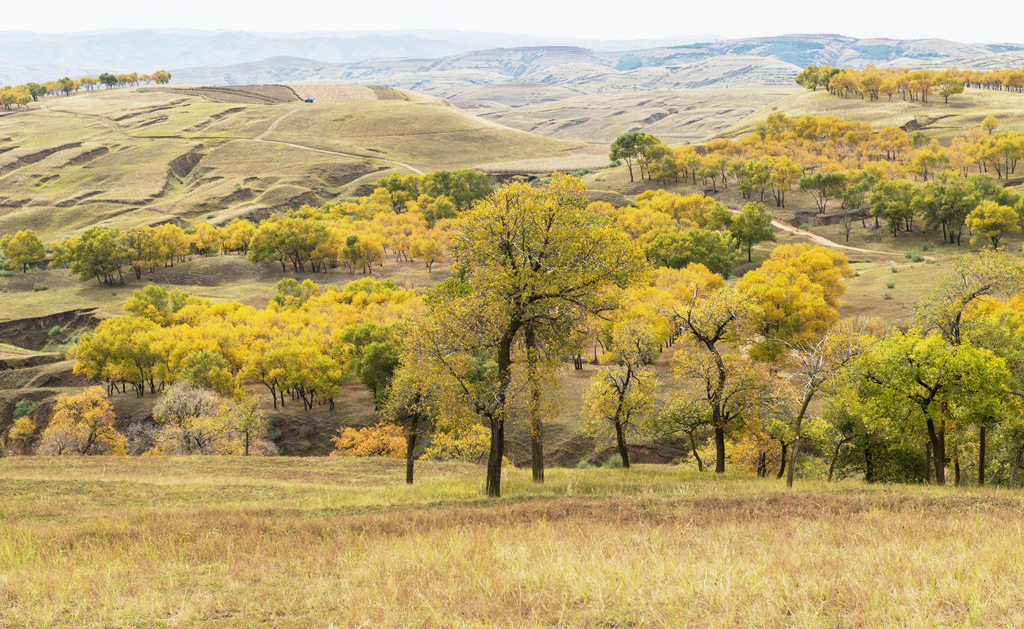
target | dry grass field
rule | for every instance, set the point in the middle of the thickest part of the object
(213, 542)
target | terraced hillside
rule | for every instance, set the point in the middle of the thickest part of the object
(675, 116)
(125, 157)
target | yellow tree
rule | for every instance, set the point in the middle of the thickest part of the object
(993, 221)
(619, 396)
(23, 248)
(82, 424)
(536, 256)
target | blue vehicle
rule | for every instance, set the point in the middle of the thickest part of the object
(309, 100)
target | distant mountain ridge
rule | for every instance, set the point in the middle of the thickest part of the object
(450, 63)
(767, 61)
(127, 50)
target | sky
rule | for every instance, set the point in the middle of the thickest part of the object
(989, 21)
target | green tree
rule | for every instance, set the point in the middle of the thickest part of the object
(920, 384)
(373, 356)
(751, 226)
(823, 187)
(676, 249)
(630, 147)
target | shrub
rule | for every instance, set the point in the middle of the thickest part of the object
(887, 297)
(583, 465)
(890, 285)
(927, 246)
(380, 440)
(894, 269)
(39, 287)
(54, 331)
(24, 407)
(614, 461)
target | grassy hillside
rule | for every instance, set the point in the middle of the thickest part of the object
(937, 119)
(211, 542)
(675, 116)
(124, 157)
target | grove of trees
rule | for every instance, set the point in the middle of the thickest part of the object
(872, 83)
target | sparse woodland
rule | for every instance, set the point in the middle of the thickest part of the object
(544, 277)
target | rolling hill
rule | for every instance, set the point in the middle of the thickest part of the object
(123, 157)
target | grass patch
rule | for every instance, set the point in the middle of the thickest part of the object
(233, 542)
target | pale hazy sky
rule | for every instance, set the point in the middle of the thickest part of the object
(960, 20)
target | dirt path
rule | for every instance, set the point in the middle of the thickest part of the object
(821, 240)
(273, 125)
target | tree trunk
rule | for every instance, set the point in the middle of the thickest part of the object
(410, 461)
(410, 447)
(928, 463)
(981, 456)
(782, 464)
(536, 443)
(938, 441)
(832, 463)
(719, 450)
(620, 442)
(494, 457)
(497, 420)
(797, 425)
(696, 456)
(1016, 467)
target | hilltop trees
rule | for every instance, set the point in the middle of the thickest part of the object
(913, 85)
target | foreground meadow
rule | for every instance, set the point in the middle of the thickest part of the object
(222, 542)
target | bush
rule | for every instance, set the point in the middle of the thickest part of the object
(583, 465)
(890, 285)
(54, 331)
(887, 297)
(614, 461)
(927, 246)
(917, 257)
(39, 287)
(24, 407)
(380, 440)
(894, 269)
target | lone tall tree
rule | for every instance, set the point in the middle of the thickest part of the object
(538, 257)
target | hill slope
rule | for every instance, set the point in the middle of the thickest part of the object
(123, 157)
(937, 119)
